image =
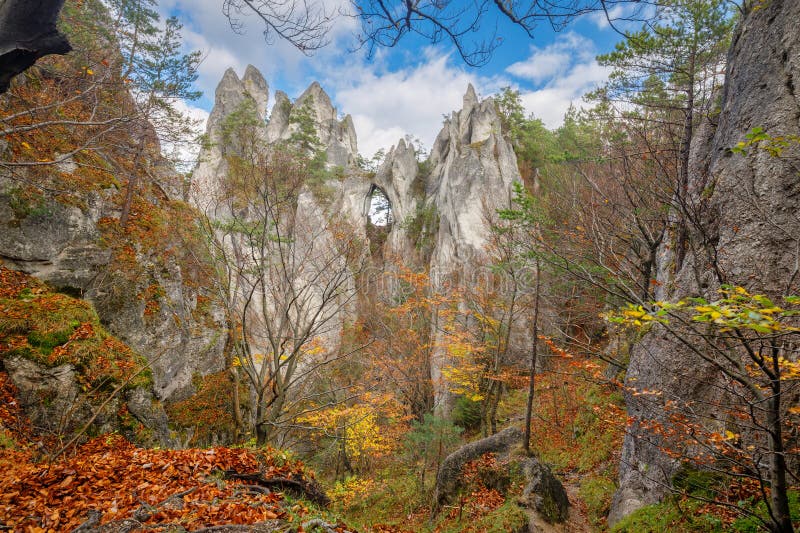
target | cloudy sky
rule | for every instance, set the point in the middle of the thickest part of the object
(406, 89)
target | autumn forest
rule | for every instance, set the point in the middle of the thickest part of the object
(220, 312)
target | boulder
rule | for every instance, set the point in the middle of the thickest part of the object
(448, 480)
(543, 492)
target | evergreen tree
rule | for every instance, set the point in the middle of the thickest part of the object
(668, 74)
(159, 76)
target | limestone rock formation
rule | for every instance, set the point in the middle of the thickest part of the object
(441, 208)
(53, 401)
(68, 238)
(400, 179)
(54, 242)
(336, 137)
(474, 168)
(747, 231)
(448, 480)
(543, 491)
(473, 171)
(469, 175)
(250, 95)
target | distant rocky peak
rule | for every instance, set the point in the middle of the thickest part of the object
(256, 86)
(470, 97)
(233, 91)
(318, 102)
(476, 123)
(337, 137)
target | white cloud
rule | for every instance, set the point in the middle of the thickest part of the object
(563, 71)
(386, 105)
(208, 30)
(186, 154)
(545, 63)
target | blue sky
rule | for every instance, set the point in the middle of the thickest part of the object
(406, 89)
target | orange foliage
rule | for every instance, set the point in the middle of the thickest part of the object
(210, 410)
(479, 499)
(113, 476)
(562, 414)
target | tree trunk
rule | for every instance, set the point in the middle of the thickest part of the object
(683, 171)
(779, 500)
(133, 183)
(534, 357)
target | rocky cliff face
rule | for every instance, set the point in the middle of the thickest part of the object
(336, 137)
(474, 169)
(440, 207)
(250, 95)
(144, 280)
(746, 232)
(469, 175)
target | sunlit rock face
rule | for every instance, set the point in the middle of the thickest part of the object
(746, 234)
(449, 201)
(440, 208)
(336, 137)
(474, 169)
(248, 95)
(306, 262)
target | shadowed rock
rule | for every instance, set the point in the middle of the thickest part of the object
(27, 32)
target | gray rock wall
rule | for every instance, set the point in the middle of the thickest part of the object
(746, 231)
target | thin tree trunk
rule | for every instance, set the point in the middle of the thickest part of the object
(133, 183)
(495, 403)
(683, 171)
(779, 500)
(534, 357)
(238, 421)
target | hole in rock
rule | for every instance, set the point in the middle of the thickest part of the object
(380, 208)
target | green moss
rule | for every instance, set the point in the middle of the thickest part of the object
(596, 492)
(671, 516)
(7, 442)
(751, 524)
(27, 202)
(46, 341)
(53, 329)
(422, 226)
(394, 497)
(508, 517)
(466, 413)
(686, 515)
(697, 482)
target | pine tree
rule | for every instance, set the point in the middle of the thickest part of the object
(158, 76)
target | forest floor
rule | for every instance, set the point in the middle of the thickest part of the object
(579, 423)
